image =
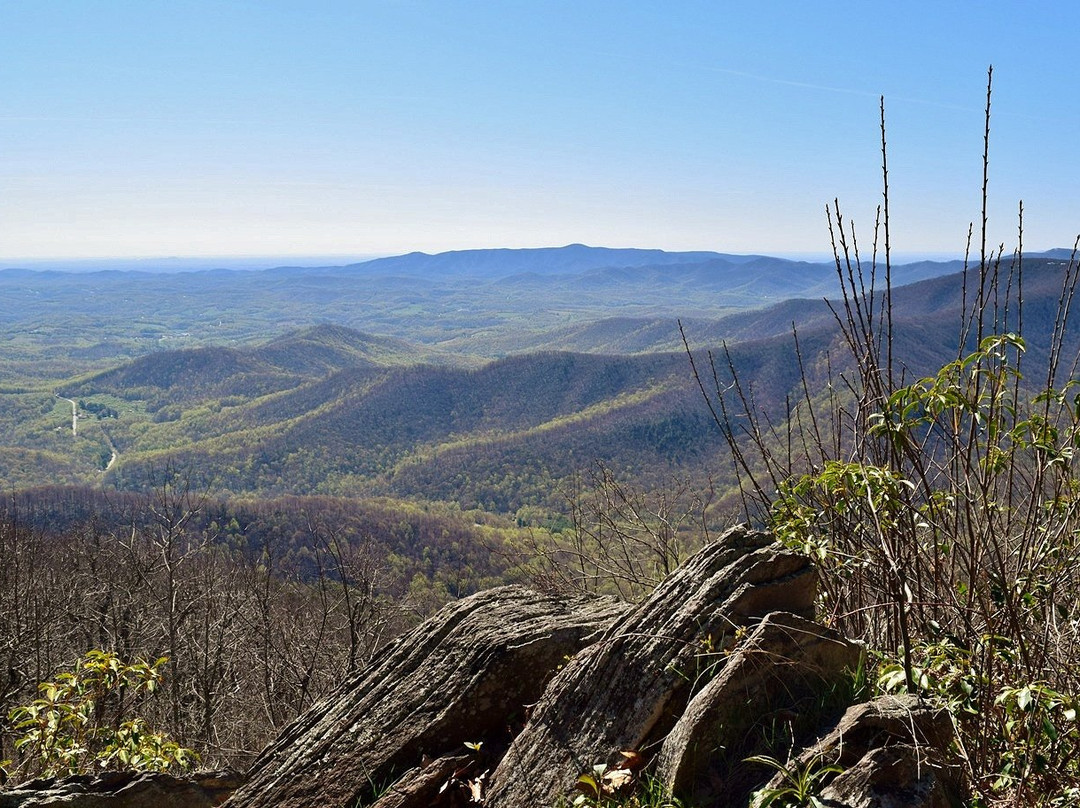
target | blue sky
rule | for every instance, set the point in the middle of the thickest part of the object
(180, 127)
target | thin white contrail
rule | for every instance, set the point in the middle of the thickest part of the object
(805, 85)
(845, 90)
(790, 83)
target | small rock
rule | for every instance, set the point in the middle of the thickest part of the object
(892, 751)
(897, 776)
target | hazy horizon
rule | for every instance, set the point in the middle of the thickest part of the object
(197, 263)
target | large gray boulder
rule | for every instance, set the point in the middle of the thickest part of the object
(466, 675)
(627, 690)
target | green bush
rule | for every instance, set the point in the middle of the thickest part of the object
(944, 512)
(84, 721)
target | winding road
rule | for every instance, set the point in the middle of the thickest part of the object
(74, 414)
(112, 447)
(75, 430)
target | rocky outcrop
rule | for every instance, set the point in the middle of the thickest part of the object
(892, 755)
(786, 677)
(466, 675)
(506, 698)
(627, 690)
(124, 790)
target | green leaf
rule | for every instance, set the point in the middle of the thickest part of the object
(1049, 730)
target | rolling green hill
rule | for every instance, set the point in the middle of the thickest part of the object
(473, 303)
(197, 374)
(329, 410)
(362, 431)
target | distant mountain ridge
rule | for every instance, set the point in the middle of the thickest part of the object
(331, 410)
(590, 265)
(570, 259)
(472, 303)
(488, 262)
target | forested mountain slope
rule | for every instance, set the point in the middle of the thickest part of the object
(329, 410)
(486, 303)
(281, 364)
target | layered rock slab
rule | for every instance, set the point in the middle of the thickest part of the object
(462, 676)
(778, 676)
(893, 752)
(627, 690)
(124, 789)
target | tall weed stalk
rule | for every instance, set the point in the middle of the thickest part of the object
(943, 510)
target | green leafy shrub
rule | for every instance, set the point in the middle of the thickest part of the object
(83, 721)
(953, 539)
(944, 511)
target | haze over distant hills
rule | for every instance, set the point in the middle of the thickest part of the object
(378, 378)
(471, 303)
(177, 263)
(530, 258)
